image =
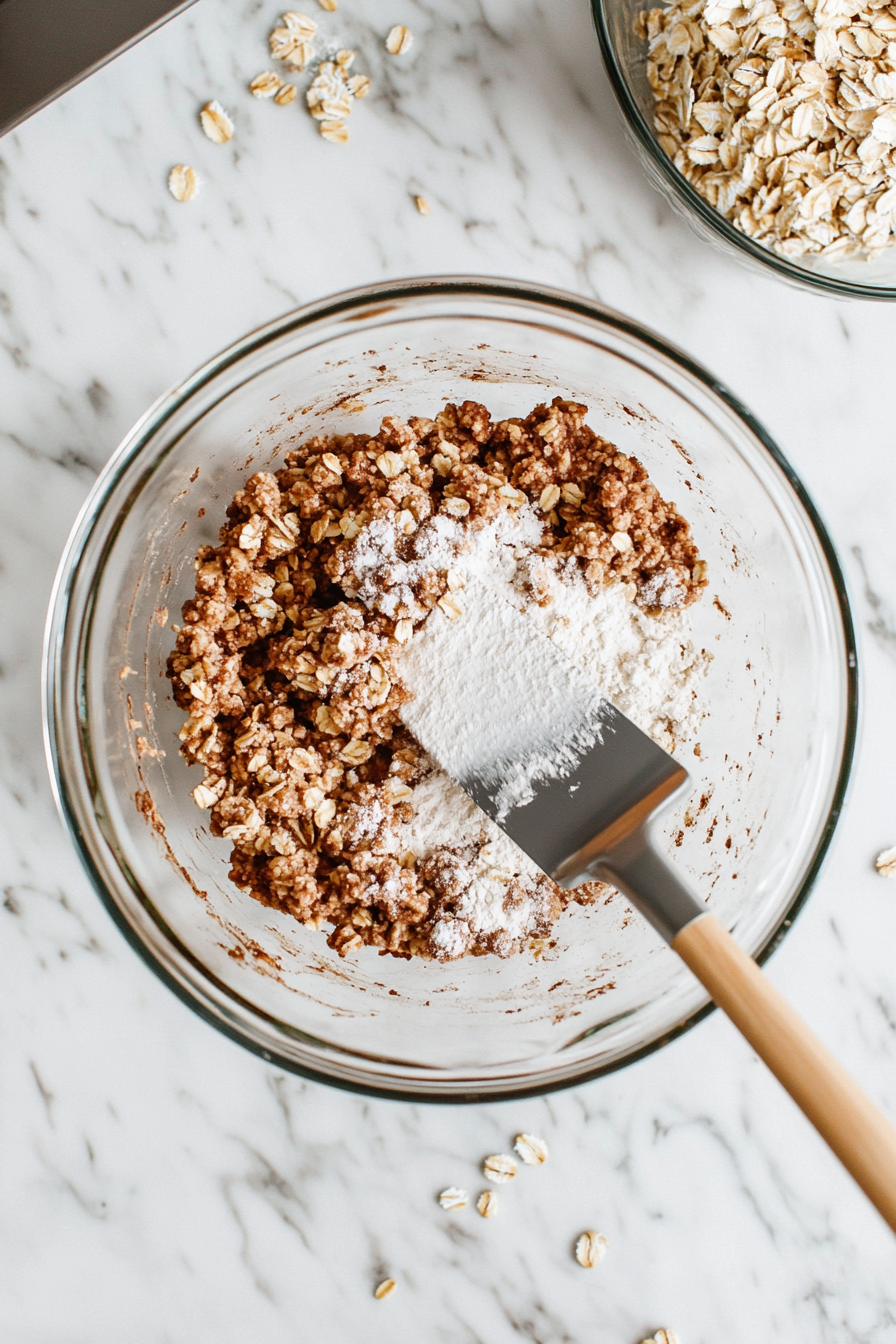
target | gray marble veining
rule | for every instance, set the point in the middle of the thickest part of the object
(160, 1185)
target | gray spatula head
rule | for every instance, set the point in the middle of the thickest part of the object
(529, 737)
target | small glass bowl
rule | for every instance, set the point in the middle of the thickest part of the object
(769, 773)
(625, 58)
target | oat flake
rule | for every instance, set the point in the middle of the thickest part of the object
(183, 182)
(265, 85)
(453, 1198)
(532, 1150)
(216, 123)
(499, 1168)
(399, 40)
(591, 1248)
(384, 1289)
(782, 117)
(487, 1204)
(334, 131)
(885, 863)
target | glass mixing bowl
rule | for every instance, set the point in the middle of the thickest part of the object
(775, 748)
(625, 58)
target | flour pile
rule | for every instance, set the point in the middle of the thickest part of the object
(533, 724)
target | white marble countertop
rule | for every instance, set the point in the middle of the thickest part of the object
(163, 1186)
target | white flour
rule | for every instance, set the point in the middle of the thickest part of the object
(647, 665)
(384, 580)
(511, 709)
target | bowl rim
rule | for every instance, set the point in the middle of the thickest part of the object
(693, 201)
(59, 611)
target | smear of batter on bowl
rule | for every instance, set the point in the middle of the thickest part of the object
(289, 661)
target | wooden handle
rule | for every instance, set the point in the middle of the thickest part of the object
(844, 1116)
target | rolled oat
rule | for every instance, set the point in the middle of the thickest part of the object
(334, 131)
(265, 85)
(591, 1248)
(499, 1168)
(399, 40)
(782, 115)
(183, 182)
(532, 1150)
(453, 1198)
(292, 42)
(487, 1204)
(215, 122)
(885, 863)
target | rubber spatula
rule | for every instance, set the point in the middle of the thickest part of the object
(580, 788)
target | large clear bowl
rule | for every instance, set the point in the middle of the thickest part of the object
(775, 748)
(625, 58)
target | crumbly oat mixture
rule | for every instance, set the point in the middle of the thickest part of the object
(782, 114)
(289, 660)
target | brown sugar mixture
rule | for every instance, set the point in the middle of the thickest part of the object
(288, 663)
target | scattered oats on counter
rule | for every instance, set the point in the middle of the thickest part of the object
(662, 1337)
(331, 95)
(782, 115)
(532, 1150)
(399, 40)
(216, 123)
(422, 205)
(453, 1198)
(183, 182)
(487, 1204)
(499, 1168)
(332, 92)
(384, 1289)
(292, 42)
(885, 863)
(591, 1248)
(328, 95)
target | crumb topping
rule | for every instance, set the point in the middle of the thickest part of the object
(288, 663)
